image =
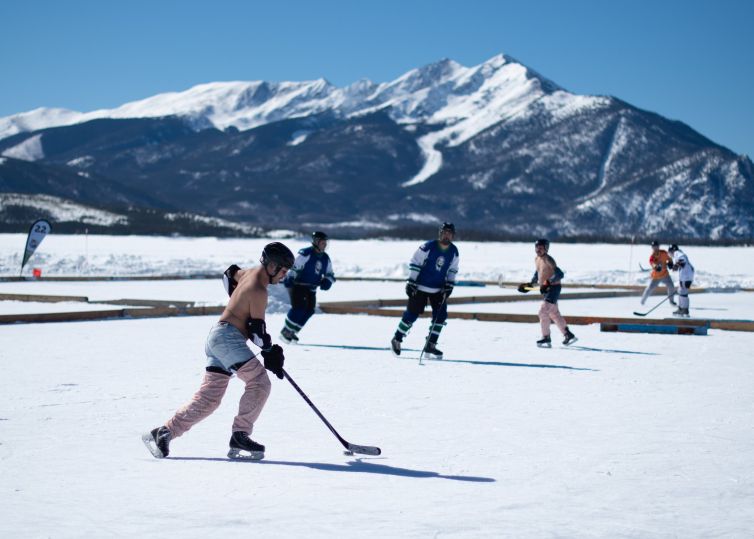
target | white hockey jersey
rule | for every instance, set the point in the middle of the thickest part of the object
(685, 269)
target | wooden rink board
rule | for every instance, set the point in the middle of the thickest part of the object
(145, 308)
(167, 308)
(373, 307)
(731, 325)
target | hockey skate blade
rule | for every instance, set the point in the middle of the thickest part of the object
(364, 449)
(569, 343)
(151, 445)
(544, 345)
(240, 454)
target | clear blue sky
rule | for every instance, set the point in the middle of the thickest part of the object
(688, 60)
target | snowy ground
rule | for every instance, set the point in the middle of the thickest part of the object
(620, 435)
(139, 255)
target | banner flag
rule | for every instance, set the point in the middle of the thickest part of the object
(37, 232)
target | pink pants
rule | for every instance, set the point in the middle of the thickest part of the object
(550, 312)
(211, 392)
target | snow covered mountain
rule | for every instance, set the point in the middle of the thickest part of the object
(496, 147)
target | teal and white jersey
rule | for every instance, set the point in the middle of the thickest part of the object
(433, 265)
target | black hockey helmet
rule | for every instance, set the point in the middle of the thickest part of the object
(655, 243)
(278, 254)
(543, 242)
(448, 226)
(673, 248)
(318, 235)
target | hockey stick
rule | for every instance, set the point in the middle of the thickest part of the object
(653, 308)
(642, 268)
(431, 326)
(353, 448)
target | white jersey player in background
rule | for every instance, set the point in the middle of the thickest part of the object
(685, 271)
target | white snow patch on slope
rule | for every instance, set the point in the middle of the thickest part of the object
(432, 158)
(298, 137)
(214, 221)
(618, 142)
(62, 210)
(417, 217)
(28, 150)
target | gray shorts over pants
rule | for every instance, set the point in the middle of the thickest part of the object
(227, 353)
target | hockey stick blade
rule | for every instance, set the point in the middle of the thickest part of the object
(653, 308)
(364, 449)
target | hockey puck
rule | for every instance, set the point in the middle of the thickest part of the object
(349, 453)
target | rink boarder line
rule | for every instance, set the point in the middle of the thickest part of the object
(138, 308)
(211, 276)
(731, 325)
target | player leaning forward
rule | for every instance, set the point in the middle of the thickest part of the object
(228, 354)
(548, 276)
(432, 275)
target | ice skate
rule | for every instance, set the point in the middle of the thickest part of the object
(432, 350)
(288, 336)
(395, 345)
(244, 448)
(570, 338)
(158, 442)
(545, 342)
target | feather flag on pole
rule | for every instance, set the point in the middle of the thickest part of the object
(37, 232)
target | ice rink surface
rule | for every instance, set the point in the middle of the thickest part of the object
(619, 435)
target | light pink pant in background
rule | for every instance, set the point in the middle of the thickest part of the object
(211, 392)
(550, 312)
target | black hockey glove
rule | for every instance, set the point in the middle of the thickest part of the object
(325, 284)
(658, 267)
(448, 289)
(229, 281)
(670, 265)
(274, 359)
(411, 288)
(545, 288)
(257, 331)
(524, 288)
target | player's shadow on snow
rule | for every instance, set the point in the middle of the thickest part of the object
(348, 347)
(467, 361)
(354, 466)
(506, 364)
(609, 350)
